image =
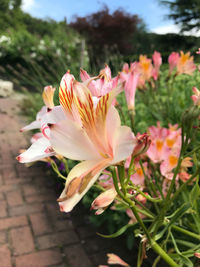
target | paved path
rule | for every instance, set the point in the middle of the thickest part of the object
(33, 232)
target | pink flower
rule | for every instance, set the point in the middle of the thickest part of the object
(131, 81)
(91, 132)
(114, 259)
(196, 96)
(145, 68)
(138, 177)
(157, 61)
(143, 144)
(169, 163)
(41, 146)
(47, 96)
(103, 200)
(163, 141)
(173, 60)
(101, 84)
(185, 64)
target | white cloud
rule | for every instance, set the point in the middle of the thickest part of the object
(172, 28)
(27, 5)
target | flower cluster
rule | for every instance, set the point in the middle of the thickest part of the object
(140, 174)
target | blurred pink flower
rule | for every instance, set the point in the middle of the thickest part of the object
(196, 96)
(130, 77)
(173, 60)
(157, 61)
(185, 64)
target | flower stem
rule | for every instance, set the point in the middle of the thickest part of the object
(186, 232)
(152, 242)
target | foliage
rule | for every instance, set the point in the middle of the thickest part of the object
(108, 33)
(36, 48)
(185, 13)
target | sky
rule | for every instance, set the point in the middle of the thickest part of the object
(152, 13)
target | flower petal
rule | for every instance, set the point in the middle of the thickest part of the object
(38, 150)
(125, 142)
(70, 140)
(79, 181)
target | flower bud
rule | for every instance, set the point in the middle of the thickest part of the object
(103, 200)
(114, 259)
(143, 143)
(48, 95)
(197, 254)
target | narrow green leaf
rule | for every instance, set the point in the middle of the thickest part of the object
(194, 194)
(119, 232)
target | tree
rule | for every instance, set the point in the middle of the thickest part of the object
(186, 13)
(106, 32)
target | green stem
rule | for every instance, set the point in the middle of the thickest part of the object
(66, 165)
(186, 232)
(182, 187)
(148, 197)
(163, 254)
(55, 168)
(152, 242)
(121, 171)
(132, 118)
(156, 261)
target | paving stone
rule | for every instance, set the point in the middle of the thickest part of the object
(40, 198)
(3, 209)
(61, 225)
(40, 224)
(1, 196)
(14, 198)
(26, 209)
(8, 187)
(39, 259)
(30, 189)
(17, 180)
(3, 237)
(57, 239)
(7, 223)
(22, 240)
(5, 257)
(77, 257)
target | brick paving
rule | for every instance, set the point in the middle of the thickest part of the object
(33, 232)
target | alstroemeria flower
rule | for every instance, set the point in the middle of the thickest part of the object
(185, 64)
(196, 96)
(157, 61)
(138, 177)
(41, 146)
(47, 96)
(91, 132)
(103, 200)
(173, 60)
(101, 84)
(169, 163)
(114, 259)
(144, 67)
(131, 81)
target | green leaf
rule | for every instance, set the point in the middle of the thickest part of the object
(130, 241)
(174, 218)
(194, 194)
(119, 232)
(178, 213)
